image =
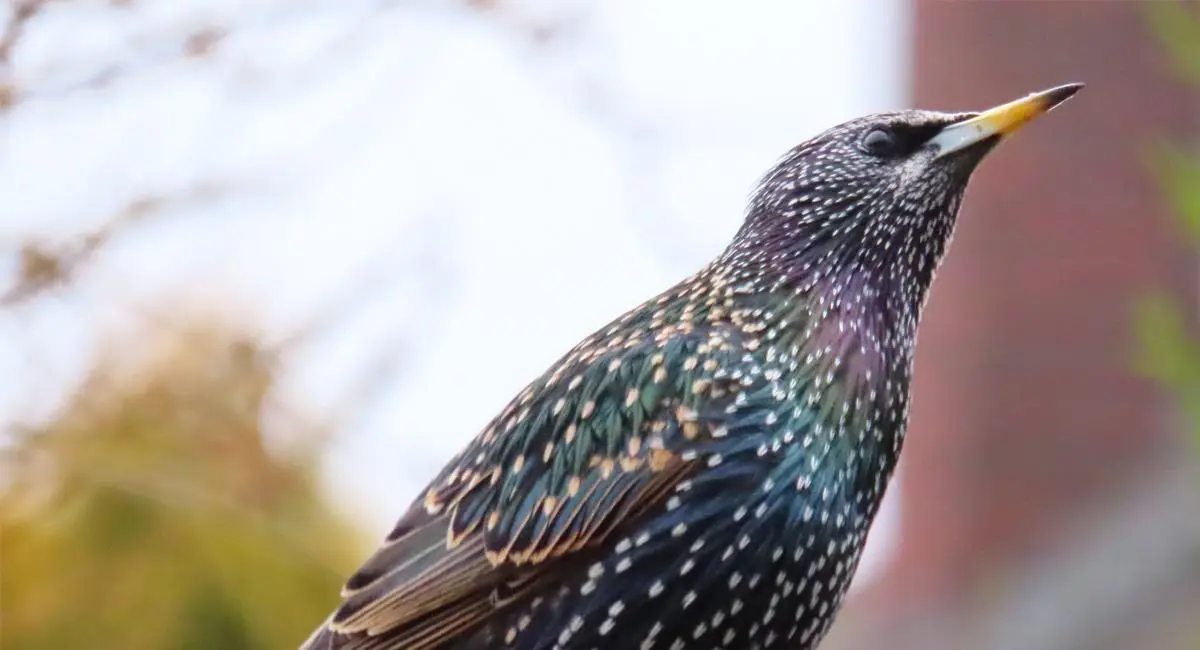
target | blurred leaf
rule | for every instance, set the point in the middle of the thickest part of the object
(1169, 351)
(1177, 26)
(1178, 173)
(1160, 331)
(1169, 354)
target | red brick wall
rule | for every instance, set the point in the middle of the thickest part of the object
(1025, 411)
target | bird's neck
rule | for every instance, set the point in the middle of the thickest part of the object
(892, 258)
(828, 304)
(852, 332)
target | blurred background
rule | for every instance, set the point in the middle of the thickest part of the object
(268, 263)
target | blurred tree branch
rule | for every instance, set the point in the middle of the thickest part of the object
(157, 49)
(558, 35)
(20, 12)
(43, 267)
(553, 30)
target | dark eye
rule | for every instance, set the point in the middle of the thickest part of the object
(879, 142)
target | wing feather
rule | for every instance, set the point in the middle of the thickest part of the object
(564, 465)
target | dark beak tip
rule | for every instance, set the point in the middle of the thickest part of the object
(1059, 94)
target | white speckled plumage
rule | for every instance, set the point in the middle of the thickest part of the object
(702, 472)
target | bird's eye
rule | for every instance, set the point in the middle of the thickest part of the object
(879, 142)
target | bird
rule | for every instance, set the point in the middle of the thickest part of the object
(702, 471)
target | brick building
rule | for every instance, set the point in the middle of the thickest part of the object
(1044, 507)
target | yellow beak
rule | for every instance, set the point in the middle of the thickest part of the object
(1001, 120)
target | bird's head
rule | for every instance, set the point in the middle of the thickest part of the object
(878, 194)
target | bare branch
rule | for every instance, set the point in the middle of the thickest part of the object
(44, 267)
(21, 12)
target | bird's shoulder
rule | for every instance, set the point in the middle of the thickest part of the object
(622, 412)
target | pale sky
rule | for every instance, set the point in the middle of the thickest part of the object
(546, 188)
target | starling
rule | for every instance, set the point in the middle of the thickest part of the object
(701, 472)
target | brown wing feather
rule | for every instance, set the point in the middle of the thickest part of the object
(419, 591)
(491, 529)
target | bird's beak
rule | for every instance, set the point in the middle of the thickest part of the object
(1000, 121)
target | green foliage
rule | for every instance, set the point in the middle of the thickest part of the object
(1169, 346)
(1170, 354)
(1178, 172)
(152, 512)
(1176, 24)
